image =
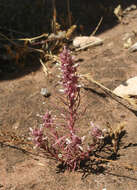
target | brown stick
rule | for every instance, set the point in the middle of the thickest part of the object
(69, 13)
(54, 16)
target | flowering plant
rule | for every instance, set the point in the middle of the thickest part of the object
(69, 148)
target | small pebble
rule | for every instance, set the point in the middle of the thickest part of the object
(38, 115)
(44, 92)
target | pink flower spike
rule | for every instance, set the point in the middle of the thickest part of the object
(69, 77)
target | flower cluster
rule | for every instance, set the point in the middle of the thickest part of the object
(96, 132)
(69, 76)
(38, 137)
(48, 121)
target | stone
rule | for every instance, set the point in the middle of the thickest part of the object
(44, 92)
(127, 88)
(82, 42)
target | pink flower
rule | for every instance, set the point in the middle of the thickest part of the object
(38, 137)
(75, 139)
(96, 132)
(48, 121)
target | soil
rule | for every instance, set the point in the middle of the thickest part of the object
(21, 106)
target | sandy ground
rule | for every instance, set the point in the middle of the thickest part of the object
(21, 103)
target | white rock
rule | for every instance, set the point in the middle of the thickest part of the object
(45, 92)
(130, 8)
(81, 41)
(128, 43)
(127, 88)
